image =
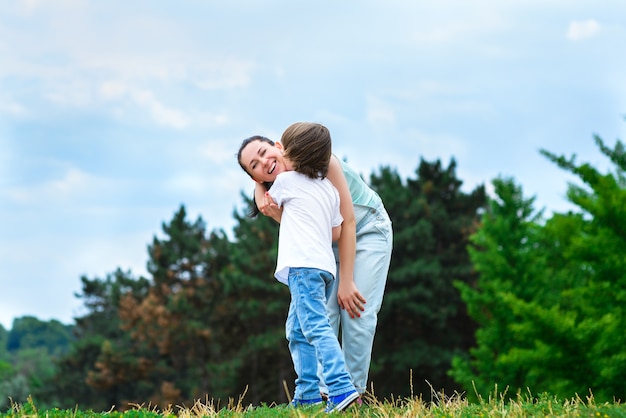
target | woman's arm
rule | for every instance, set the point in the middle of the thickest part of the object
(348, 295)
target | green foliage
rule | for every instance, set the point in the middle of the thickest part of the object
(29, 332)
(423, 321)
(209, 322)
(550, 297)
(28, 356)
(595, 256)
(4, 338)
(96, 330)
(260, 305)
(172, 334)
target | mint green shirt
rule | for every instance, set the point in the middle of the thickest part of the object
(361, 193)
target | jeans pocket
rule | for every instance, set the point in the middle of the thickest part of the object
(383, 225)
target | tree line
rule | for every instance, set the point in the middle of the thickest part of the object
(482, 291)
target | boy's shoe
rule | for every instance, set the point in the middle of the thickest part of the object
(341, 402)
(306, 402)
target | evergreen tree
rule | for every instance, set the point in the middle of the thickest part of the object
(30, 332)
(551, 315)
(210, 323)
(4, 339)
(423, 321)
(504, 253)
(31, 348)
(260, 304)
(175, 356)
(96, 332)
(591, 319)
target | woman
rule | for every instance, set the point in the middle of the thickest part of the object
(363, 251)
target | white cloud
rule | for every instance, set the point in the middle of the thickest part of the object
(473, 22)
(75, 93)
(188, 183)
(164, 115)
(168, 117)
(111, 90)
(380, 113)
(28, 7)
(73, 183)
(219, 150)
(579, 30)
(223, 74)
(12, 108)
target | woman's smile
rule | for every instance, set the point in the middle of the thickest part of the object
(263, 161)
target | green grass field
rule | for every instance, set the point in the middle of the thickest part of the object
(440, 406)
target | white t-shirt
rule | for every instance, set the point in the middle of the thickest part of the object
(310, 211)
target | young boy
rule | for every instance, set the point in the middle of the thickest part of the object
(310, 220)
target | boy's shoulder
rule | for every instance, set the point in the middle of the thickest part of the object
(288, 175)
(285, 174)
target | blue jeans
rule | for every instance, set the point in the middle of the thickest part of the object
(374, 241)
(311, 338)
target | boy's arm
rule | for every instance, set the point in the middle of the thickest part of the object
(336, 232)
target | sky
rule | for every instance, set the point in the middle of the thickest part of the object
(114, 113)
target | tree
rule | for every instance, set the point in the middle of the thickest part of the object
(173, 326)
(4, 339)
(503, 252)
(593, 308)
(210, 322)
(551, 313)
(31, 349)
(96, 332)
(423, 321)
(260, 304)
(30, 332)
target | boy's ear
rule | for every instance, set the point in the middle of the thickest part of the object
(279, 145)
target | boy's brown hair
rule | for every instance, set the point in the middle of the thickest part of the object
(308, 146)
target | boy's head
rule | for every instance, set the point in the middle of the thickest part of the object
(308, 147)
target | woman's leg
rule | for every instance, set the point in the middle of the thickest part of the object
(374, 239)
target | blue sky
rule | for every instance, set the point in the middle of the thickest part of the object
(114, 113)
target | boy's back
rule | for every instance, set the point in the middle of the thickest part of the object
(310, 211)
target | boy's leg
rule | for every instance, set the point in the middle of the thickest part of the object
(308, 289)
(334, 316)
(302, 353)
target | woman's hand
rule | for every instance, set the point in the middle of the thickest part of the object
(350, 298)
(268, 207)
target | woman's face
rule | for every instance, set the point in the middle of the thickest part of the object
(263, 161)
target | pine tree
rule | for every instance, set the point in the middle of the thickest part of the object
(503, 253)
(550, 296)
(94, 332)
(175, 328)
(594, 298)
(423, 321)
(261, 354)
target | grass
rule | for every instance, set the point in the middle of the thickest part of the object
(496, 405)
